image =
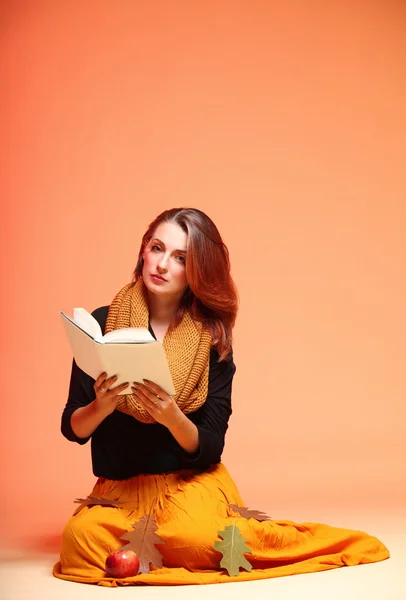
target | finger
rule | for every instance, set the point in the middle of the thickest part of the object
(142, 394)
(118, 388)
(154, 387)
(152, 396)
(107, 383)
(148, 406)
(101, 378)
(110, 380)
(156, 391)
(151, 402)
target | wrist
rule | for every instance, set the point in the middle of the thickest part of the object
(99, 410)
(178, 424)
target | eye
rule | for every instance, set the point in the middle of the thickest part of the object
(180, 258)
(156, 248)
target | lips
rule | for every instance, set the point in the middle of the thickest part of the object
(156, 277)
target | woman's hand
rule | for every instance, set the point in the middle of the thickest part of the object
(158, 403)
(106, 396)
(86, 419)
(166, 412)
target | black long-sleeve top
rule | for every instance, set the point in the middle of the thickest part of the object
(123, 447)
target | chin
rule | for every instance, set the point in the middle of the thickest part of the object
(157, 290)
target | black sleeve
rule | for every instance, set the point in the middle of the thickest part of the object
(212, 418)
(81, 390)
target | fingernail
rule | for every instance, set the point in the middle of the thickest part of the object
(104, 374)
(125, 384)
(137, 383)
(147, 380)
(114, 376)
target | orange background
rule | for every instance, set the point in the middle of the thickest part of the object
(286, 123)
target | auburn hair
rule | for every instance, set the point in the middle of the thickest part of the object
(211, 295)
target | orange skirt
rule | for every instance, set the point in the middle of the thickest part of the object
(190, 509)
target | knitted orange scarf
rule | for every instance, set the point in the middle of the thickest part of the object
(187, 349)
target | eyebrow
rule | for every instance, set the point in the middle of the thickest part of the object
(161, 242)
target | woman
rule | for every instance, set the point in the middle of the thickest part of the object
(154, 454)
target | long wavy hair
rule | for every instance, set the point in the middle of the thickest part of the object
(211, 295)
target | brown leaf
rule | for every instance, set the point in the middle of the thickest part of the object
(142, 540)
(232, 548)
(102, 501)
(250, 514)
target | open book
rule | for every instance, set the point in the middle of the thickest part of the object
(131, 353)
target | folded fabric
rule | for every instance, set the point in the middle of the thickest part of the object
(190, 509)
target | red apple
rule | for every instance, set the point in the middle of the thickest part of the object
(122, 563)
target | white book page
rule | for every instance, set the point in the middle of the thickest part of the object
(88, 323)
(138, 335)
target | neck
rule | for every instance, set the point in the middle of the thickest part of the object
(162, 310)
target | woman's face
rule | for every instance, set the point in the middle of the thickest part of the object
(164, 269)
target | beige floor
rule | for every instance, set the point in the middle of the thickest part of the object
(29, 578)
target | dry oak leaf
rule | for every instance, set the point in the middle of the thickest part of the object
(142, 541)
(232, 548)
(101, 501)
(250, 514)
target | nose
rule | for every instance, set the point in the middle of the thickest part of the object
(163, 263)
